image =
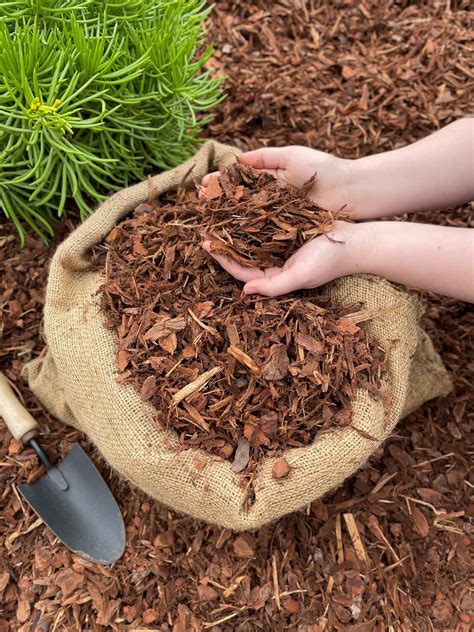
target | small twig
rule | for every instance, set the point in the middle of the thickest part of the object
(276, 587)
(196, 385)
(355, 537)
(438, 458)
(340, 549)
(245, 359)
(209, 330)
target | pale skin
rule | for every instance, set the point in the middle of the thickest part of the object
(435, 172)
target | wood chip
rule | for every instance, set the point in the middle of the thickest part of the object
(280, 469)
(244, 358)
(195, 385)
(242, 455)
(355, 537)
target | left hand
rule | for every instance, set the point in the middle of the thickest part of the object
(318, 261)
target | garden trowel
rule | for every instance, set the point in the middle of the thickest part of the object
(71, 498)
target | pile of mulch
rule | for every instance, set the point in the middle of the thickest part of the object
(242, 377)
(389, 548)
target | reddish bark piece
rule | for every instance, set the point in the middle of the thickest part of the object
(42, 559)
(269, 423)
(138, 247)
(420, 522)
(249, 431)
(155, 362)
(170, 254)
(123, 358)
(259, 595)
(164, 327)
(238, 192)
(15, 447)
(148, 388)
(429, 495)
(309, 343)
(15, 309)
(346, 326)
(244, 545)
(164, 540)
(291, 605)
(150, 616)
(207, 593)
(280, 469)
(277, 367)
(260, 438)
(4, 579)
(169, 343)
(242, 455)
(226, 451)
(23, 609)
(68, 581)
(219, 248)
(213, 189)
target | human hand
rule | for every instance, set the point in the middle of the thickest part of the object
(435, 258)
(318, 261)
(296, 165)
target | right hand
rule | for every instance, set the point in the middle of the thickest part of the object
(318, 261)
(296, 165)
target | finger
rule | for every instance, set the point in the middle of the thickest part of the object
(240, 272)
(280, 283)
(208, 176)
(266, 158)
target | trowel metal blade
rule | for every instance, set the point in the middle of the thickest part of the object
(85, 516)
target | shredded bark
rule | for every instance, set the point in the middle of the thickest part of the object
(217, 365)
(270, 218)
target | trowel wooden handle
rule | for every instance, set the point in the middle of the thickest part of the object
(19, 421)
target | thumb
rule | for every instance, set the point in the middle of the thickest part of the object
(266, 158)
(281, 283)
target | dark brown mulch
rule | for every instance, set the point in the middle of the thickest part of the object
(352, 78)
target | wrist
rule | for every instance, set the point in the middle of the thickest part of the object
(348, 179)
(350, 247)
(358, 184)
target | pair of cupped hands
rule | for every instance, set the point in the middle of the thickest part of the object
(435, 172)
(318, 261)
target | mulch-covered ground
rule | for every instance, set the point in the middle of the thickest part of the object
(389, 549)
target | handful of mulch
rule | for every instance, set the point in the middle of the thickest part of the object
(257, 220)
(238, 376)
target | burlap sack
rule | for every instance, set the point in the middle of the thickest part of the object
(75, 380)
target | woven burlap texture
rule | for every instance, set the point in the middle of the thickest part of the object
(76, 380)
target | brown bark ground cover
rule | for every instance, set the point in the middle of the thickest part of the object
(390, 547)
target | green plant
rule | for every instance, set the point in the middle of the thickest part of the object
(94, 93)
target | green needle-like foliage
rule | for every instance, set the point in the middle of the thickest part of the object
(94, 94)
